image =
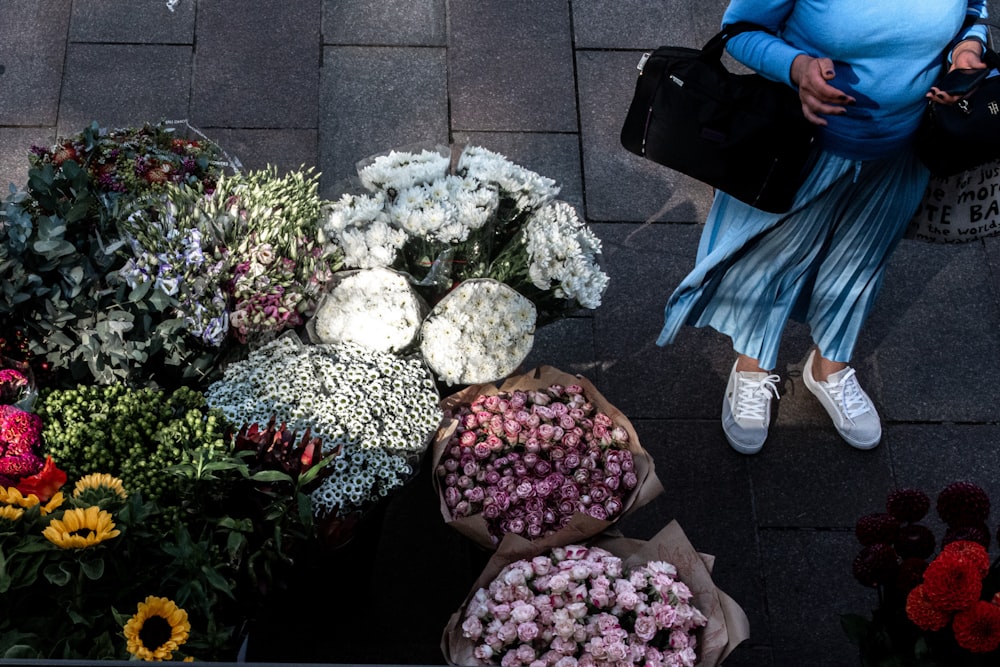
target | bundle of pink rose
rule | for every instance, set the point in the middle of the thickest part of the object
(615, 602)
(542, 456)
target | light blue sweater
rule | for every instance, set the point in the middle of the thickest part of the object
(886, 53)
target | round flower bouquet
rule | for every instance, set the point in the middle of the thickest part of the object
(375, 308)
(480, 332)
(934, 610)
(374, 414)
(615, 602)
(544, 456)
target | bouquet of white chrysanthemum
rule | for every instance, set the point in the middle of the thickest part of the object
(553, 261)
(375, 308)
(377, 412)
(480, 332)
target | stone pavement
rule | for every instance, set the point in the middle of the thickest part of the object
(328, 82)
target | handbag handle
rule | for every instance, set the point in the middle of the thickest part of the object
(713, 48)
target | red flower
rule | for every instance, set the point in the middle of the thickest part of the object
(971, 552)
(952, 582)
(44, 484)
(924, 614)
(977, 628)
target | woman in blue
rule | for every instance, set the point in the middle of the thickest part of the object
(863, 69)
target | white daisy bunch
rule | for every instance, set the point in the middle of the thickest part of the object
(480, 332)
(376, 309)
(360, 225)
(399, 170)
(563, 250)
(445, 210)
(376, 411)
(527, 189)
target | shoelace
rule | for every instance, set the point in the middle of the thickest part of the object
(848, 393)
(752, 396)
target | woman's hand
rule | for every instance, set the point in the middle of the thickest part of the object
(818, 97)
(967, 54)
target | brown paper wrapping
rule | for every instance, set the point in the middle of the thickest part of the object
(727, 622)
(581, 526)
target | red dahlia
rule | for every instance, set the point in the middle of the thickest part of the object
(876, 564)
(979, 533)
(911, 573)
(952, 582)
(914, 541)
(977, 629)
(972, 552)
(963, 504)
(908, 504)
(924, 614)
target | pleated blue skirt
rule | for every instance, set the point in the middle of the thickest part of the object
(821, 263)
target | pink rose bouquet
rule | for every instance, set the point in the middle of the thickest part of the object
(614, 602)
(577, 606)
(542, 454)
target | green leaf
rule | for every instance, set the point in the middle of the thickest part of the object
(58, 574)
(217, 581)
(855, 626)
(271, 476)
(53, 248)
(140, 291)
(93, 569)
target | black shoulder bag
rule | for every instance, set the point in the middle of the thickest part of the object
(740, 133)
(953, 138)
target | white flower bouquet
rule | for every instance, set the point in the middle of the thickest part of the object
(375, 412)
(374, 308)
(443, 218)
(481, 331)
(614, 602)
(543, 450)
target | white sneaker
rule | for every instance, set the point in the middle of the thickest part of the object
(746, 409)
(852, 411)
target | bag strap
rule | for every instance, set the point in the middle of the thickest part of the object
(990, 57)
(714, 47)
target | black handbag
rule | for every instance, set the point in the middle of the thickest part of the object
(953, 138)
(740, 133)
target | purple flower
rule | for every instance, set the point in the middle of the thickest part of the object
(491, 477)
(452, 496)
(613, 506)
(630, 480)
(470, 469)
(598, 512)
(467, 439)
(475, 495)
(543, 468)
(525, 489)
(599, 493)
(569, 491)
(515, 526)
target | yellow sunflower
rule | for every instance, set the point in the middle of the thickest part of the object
(10, 513)
(81, 528)
(11, 496)
(157, 629)
(100, 482)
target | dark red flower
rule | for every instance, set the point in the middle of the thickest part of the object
(963, 504)
(911, 573)
(972, 552)
(908, 504)
(877, 527)
(876, 564)
(977, 629)
(914, 541)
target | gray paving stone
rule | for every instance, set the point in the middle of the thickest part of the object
(133, 21)
(385, 22)
(32, 49)
(286, 149)
(509, 74)
(716, 513)
(566, 344)
(257, 69)
(621, 186)
(809, 585)
(555, 156)
(934, 335)
(809, 477)
(631, 24)
(146, 84)
(366, 108)
(15, 144)
(683, 380)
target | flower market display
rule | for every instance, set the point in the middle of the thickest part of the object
(542, 454)
(935, 609)
(212, 382)
(613, 602)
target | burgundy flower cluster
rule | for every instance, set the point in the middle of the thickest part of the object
(529, 460)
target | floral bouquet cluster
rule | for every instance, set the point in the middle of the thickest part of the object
(544, 455)
(21, 463)
(61, 249)
(375, 414)
(443, 218)
(615, 602)
(933, 610)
